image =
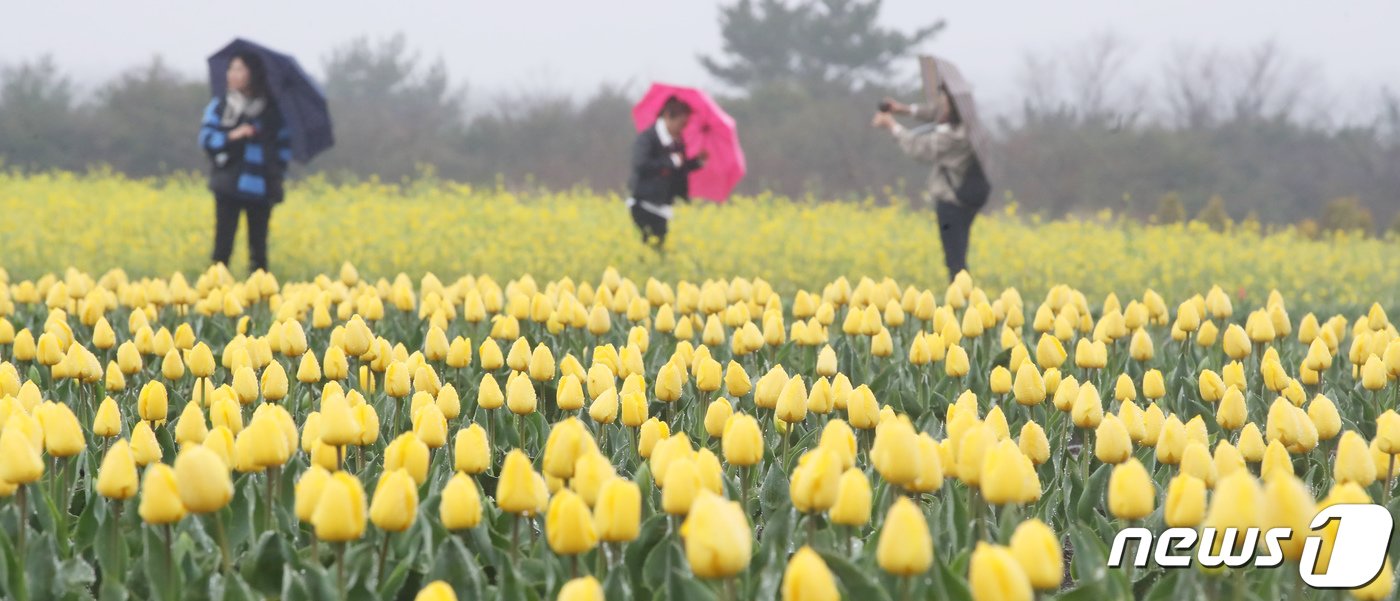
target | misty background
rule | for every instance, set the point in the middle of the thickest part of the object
(1248, 109)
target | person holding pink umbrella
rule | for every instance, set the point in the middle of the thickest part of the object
(661, 171)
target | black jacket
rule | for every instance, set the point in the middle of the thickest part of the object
(655, 177)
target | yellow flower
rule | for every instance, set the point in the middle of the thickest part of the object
(1029, 387)
(153, 402)
(1039, 553)
(995, 575)
(718, 540)
(409, 453)
(1111, 441)
(808, 579)
(395, 502)
(1033, 443)
(340, 511)
(203, 480)
(1290, 505)
(1186, 502)
(905, 547)
(581, 589)
(472, 450)
(792, 401)
(520, 395)
(308, 491)
(1353, 463)
(896, 444)
(569, 525)
(651, 432)
(1131, 494)
(460, 507)
(815, 481)
(160, 496)
(617, 514)
(116, 479)
(742, 441)
(515, 492)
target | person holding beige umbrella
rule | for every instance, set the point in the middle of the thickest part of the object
(954, 142)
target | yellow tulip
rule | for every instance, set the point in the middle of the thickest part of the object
(1131, 494)
(718, 540)
(340, 511)
(906, 546)
(808, 579)
(995, 575)
(160, 496)
(460, 507)
(203, 480)
(395, 502)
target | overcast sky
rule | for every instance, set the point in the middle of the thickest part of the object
(523, 45)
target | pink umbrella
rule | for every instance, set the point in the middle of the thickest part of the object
(710, 129)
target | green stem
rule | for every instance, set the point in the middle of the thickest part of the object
(340, 570)
(227, 554)
(383, 554)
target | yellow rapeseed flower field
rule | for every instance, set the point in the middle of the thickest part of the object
(149, 227)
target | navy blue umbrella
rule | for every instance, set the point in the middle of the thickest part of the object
(300, 101)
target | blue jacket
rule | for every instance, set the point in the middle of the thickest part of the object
(250, 169)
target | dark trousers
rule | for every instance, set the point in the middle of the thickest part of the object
(226, 215)
(653, 227)
(954, 227)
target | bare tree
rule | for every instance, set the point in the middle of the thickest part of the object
(1193, 87)
(1270, 85)
(1098, 83)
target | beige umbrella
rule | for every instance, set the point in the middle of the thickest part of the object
(938, 72)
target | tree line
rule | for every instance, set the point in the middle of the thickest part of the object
(1213, 135)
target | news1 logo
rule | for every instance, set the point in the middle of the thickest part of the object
(1358, 554)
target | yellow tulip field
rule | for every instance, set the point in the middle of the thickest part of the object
(446, 393)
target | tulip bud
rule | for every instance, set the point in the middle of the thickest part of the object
(63, 435)
(1007, 476)
(853, 499)
(515, 492)
(203, 480)
(153, 402)
(308, 491)
(1353, 463)
(340, 510)
(520, 395)
(20, 462)
(718, 539)
(410, 453)
(569, 526)
(160, 496)
(460, 507)
(808, 579)
(117, 477)
(815, 481)
(395, 502)
(472, 450)
(1111, 441)
(581, 589)
(1039, 553)
(895, 444)
(1131, 494)
(905, 547)
(617, 513)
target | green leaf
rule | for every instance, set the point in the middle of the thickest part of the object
(954, 586)
(264, 562)
(1090, 557)
(615, 586)
(76, 577)
(857, 583)
(660, 563)
(1092, 497)
(683, 586)
(773, 497)
(455, 566)
(41, 566)
(634, 558)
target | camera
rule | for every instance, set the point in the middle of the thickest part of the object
(885, 107)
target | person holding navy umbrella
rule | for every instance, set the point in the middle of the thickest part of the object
(265, 112)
